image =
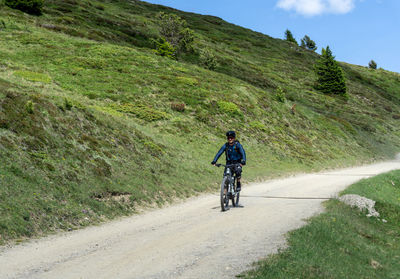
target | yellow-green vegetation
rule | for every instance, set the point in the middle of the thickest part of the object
(343, 242)
(229, 108)
(89, 113)
(37, 77)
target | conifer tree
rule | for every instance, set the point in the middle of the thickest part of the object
(289, 37)
(372, 65)
(330, 77)
(307, 43)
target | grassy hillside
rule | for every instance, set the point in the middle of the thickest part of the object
(90, 126)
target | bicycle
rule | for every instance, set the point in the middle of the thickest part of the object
(228, 187)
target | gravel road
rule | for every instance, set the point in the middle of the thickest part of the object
(193, 239)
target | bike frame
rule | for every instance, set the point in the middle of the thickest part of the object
(231, 177)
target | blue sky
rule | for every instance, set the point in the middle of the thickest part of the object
(356, 30)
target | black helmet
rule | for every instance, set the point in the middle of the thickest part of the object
(231, 134)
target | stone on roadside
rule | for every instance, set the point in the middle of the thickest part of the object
(361, 203)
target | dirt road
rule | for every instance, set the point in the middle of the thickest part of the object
(189, 240)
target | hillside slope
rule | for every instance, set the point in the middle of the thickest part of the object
(89, 128)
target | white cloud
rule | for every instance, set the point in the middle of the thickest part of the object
(316, 7)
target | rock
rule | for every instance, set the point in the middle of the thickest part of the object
(361, 203)
(375, 264)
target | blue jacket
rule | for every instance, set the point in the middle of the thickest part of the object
(234, 153)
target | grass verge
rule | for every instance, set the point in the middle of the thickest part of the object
(343, 242)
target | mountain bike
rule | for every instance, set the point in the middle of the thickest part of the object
(228, 187)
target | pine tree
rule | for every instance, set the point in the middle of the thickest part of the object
(307, 43)
(330, 77)
(372, 65)
(289, 37)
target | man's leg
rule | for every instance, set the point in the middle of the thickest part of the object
(239, 185)
(238, 177)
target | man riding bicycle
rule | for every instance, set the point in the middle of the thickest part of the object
(235, 154)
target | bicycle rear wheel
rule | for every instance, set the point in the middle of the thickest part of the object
(224, 194)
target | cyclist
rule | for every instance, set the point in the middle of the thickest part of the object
(235, 154)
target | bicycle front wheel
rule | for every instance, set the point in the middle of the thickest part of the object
(224, 194)
(237, 198)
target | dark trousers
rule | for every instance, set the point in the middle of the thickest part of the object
(237, 170)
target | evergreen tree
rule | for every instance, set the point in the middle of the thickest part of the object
(289, 37)
(372, 65)
(307, 43)
(330, 77)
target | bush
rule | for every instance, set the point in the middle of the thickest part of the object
(175, 31)
(229, 108)
(68, 104)
(2, 24)
(33, 7)
(186, 42)
(208, 60)
(372, 65)
(164, 48)
(280, 95)
(29, 107)
(4, 124)
(178, 107)
(330, 77)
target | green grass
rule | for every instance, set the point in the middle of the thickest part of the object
(343, 242)
(87, 115)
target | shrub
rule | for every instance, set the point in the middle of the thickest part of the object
(187, 81)
(175, 31)
(229, 108)
(372, 65)
(68, 104)
(4, 124)
(164, 48)
(307, 43)
(186, 43)
(33, 7)
(178, 107)
(330, 77)
(29, 107)
(153, 148)
(280, 95)
(289, 37)
(208, 60)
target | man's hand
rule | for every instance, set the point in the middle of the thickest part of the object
(213, 163)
